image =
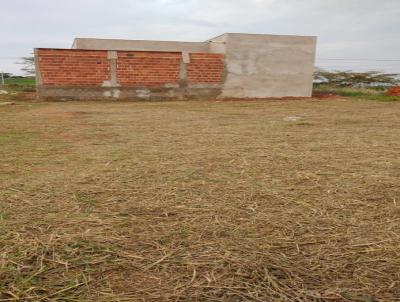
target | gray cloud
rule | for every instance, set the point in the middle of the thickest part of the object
(349, 29)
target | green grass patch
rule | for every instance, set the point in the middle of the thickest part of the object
(20, 81)
(19, 84)
(371, 93)
(377, 97)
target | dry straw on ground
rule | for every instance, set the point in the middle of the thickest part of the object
(200, 201)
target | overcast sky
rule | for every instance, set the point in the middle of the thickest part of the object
(346, 29)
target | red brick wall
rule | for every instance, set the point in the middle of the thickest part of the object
(205, 68)
(73, 67)
(139, 68)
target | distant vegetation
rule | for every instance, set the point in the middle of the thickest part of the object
(356, 79)
(370, 85)
(28, 66)
(30, 81)
(26, 83)
(18, 84)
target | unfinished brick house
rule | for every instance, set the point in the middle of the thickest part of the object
(228, 66)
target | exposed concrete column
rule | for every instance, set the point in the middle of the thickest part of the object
(186, 57)
(183, 70)
(112, 57)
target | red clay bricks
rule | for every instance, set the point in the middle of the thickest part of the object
(148, 69)
(72, 67)
(205, 68)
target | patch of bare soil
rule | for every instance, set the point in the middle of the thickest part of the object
(324, 95)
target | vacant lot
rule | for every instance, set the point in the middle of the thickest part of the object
(200, 201)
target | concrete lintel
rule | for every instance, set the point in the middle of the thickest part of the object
(139, 45)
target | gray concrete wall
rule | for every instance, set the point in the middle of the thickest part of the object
(140, 45)
(262, 66)
(218, 44)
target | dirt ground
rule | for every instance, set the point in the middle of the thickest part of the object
(200, 201)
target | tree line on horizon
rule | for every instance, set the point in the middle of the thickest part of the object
(356, 79)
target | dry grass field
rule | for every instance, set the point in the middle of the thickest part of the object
(200, 201)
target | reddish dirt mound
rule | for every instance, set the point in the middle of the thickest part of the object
(324, 95)
(395, 91)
